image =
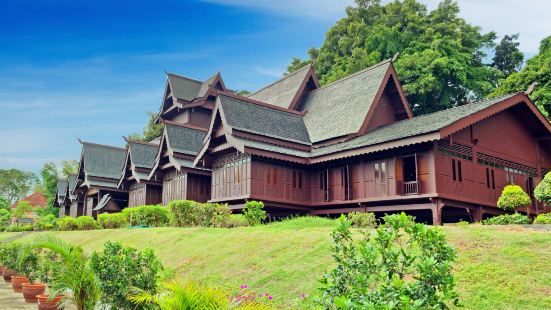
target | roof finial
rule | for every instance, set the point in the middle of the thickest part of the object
(125, 139)
(530, 88)
(80, 141)
(395, 56)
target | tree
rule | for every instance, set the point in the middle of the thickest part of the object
(243, 92)
(49, 176)
(441, 55)
(16, 184)
(69, 166)
(150, 131)
(513, 197)
(5, 216)
(537, 69)
(508, 58)
(4, 203)
(22, 208)
(543, 190)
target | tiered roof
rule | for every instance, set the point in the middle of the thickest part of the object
(101, 165)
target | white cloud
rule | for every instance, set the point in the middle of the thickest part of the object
(271, 72)
(322, 9)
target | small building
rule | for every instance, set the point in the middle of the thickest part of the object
(99, 172)
(61, 201)
(140, 159)
(35, 200)
(75, 198)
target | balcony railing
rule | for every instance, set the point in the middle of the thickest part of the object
(411, 188)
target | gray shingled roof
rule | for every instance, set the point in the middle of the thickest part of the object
(189, 89)
(62, 188)
(72, 180)
(185, 140)
(103, 161)
(265, 121)
(416, 126)
(282, 91)
(340, 108)
(143, 155)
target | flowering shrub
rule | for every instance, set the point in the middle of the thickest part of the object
(112, 220)
(507, 219)
(86, 223)
(513, 197)
(254, 212)
(66, 223)
(401, 265)
(245, 296)
(544, 218)
(543, 190)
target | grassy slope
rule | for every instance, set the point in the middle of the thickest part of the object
(498, 267)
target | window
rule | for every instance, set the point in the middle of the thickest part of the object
(510, 178)
(454, 176)
(459, 174)
(380, 172)
(274, 174)
(237, 175)
(321, 180)
(300, 180)
(268, 178)
(493, 180)
(294, 179)
(487, 177)
(345, 175)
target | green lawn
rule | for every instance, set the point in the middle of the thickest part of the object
(499, 267)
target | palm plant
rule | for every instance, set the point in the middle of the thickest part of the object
(188, 295)
(75, 279)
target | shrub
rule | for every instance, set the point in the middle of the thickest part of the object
(120, 269)
(46, 222)
(15, 228)
(9, 255)
(362, 219)
(5, 217)
(543, 190)
(48, 266)
(155, 216)
(184, 213)
(67, 223)
(86, 223)
(513, 197)
(544, 218)
(112, 220)
(254, 212)
(507, 219)
(27, 264)
(222, 214)
(402, 265)
(236, 220)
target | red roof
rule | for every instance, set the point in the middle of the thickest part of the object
(36, 199)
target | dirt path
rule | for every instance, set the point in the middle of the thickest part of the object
(11, 300)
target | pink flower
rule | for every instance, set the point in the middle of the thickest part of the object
(244, 286)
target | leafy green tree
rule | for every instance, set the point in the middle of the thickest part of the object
(22, 208)
(537, 69)
(150, 131)
(243, 92)
(49, 176)
(513, 197)
(4, 203)
(16, 184)
(543, 190)
(69, 166)
(508, 58)
(441, 62)
(5, 216)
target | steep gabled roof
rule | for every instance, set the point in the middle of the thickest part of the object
(184, 139)
(285, 91)
(142, 154)
(340, 108)
(102, 160)
(107, 204)
(263, 120)
(62, 189)
(189, 89)
(36, 199)
(72, 181)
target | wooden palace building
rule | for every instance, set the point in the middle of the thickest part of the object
(302, 148)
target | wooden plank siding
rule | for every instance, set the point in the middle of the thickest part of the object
(185, 186)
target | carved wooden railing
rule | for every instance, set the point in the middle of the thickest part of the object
(411, 188)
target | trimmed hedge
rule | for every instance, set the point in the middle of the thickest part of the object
(188, 213)
(66, 223)
(86, 223)
(155, 216)
(112, 220)
(507, 219)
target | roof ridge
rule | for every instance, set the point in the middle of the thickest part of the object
(104, 145)
(353, 75)
(142, 142)
(260, 103)
(185, 77)
(281, 79)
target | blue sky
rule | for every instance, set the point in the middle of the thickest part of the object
(92, 69)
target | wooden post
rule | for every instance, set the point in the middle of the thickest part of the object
(437, 213)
